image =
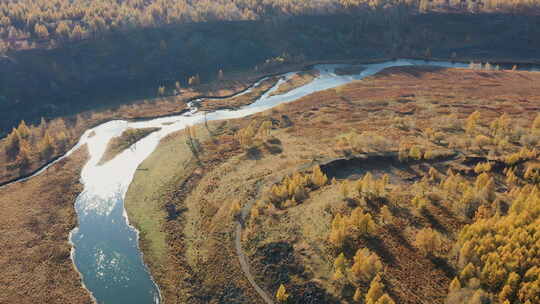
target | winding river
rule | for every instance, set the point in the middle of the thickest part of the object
(105, 246)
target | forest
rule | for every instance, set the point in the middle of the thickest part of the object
(43, 23)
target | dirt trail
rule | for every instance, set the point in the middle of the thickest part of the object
(244, 264)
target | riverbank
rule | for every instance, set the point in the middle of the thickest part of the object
(159, 208)
(72, 127)
(187, 213)
(37, 217)
(175, 105)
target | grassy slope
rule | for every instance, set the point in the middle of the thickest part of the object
(146, 199)
(417, 95)
(37, 216)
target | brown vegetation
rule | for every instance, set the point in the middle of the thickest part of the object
(242, 100)
(37, 216)
(297, 80)
(124, 141)
(386, 225)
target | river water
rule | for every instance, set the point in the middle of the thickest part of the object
(105, 246)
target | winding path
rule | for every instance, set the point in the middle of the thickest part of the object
(244, 264)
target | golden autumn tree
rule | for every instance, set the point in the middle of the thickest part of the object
(344, 190)
(41, 31)
(361, 223)
(536, 123)
(366, 265)
(428, 242)
(386, 215)
(23, 157)
(357, 297)
(338, 232)
(318, 178)
(415, 153)
(62, 30)
(23, 129)
(385, 299)
(77, 33)
(472, 122)
(13, 142)
(455, 285)
(376, 290)
(46, 146)
(281, 294)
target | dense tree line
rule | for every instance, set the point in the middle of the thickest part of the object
(26, 144)
(27, 23)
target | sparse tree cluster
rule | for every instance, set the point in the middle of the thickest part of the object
(294, 189)
(358, 224)
(365, 268)
(254, 134)
(361, 143)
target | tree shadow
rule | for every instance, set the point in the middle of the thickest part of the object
(253, 153)
(172, 212)
(443, 265)
(398, 234)
(377, 245)
(433, 221)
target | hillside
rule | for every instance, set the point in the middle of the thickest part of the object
(385, 188)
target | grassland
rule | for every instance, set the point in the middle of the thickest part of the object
(37, 216)
(187, 208)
